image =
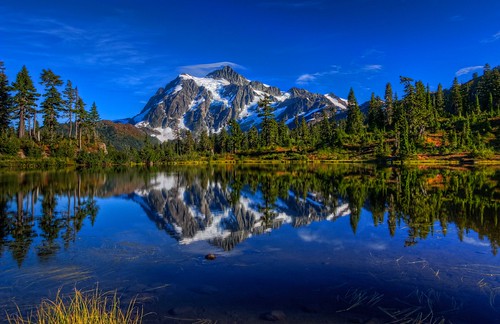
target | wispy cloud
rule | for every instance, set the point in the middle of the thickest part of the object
(307, 78)
(204, 69)
(90, 46)
(468, 69)
(495, 37)
(472, 241)
(372, 67)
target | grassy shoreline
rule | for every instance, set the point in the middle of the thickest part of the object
(461, 159)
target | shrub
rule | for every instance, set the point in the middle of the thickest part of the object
(9, 145)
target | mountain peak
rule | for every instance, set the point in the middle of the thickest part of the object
(228, 74)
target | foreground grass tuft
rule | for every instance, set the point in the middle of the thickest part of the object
(92, 307)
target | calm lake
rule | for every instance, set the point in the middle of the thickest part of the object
(299, 244)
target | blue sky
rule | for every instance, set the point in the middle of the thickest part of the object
(120, 52)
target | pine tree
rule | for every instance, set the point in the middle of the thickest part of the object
(420, 114)
(24, 100)
(80, 120)
(283, 134)
(431, 109)
(204, 142)
(222, 142)
(440, 102)
(69, 105)
(236, 135)
(53, 103)
(253, 138)
(456, 105)
(268, 129)
(354, 115)
(5, 100)
(325, 131)
(305, 136)
(389, 105)
(93, 120)
(189, 143)
(375, 113)
(477, 106)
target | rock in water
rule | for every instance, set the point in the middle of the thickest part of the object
(210, 256)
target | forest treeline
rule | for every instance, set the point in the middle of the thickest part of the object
(463, 120)
(21, 133)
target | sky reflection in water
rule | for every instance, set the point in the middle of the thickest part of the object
(320, 244)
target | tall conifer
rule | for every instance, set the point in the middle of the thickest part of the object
(24, 100)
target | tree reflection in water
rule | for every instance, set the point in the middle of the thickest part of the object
(225, 205)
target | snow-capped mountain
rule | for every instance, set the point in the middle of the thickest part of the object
(209, 103)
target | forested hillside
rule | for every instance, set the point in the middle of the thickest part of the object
(462, 122)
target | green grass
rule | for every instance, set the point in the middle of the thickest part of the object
(92, 307)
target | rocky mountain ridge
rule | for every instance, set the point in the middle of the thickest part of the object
(209, 103)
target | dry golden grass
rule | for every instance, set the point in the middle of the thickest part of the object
(91, 307)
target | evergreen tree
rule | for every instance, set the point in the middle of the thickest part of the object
(269, 130)
(477, 106)
(93, 120)
(354, 115)
(420, 114)
(24, 100)
(456, 105)
(325, 130)
(53, 103)
(491, 107)
(188, 143)
(5, 100)
(253, 138)
(70, 95)
(80, 120)
(375, 113)
(204, 142)
(222, 142)
(305, 136)
(236, 135)
(283, 134)
(389, 105)
(440, 102)
(431, 109)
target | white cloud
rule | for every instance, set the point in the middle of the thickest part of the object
(468, 69)
(306, 78)
(204, 69)
(470, 240)
(492, 39)
(372, 67)
(310, 77)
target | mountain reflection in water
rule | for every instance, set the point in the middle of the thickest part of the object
(66, 219)
(227, 205)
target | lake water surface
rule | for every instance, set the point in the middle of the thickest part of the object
(300, 244)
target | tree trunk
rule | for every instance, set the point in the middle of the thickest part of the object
(21, 123)
(80, 139)
(70, 123)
